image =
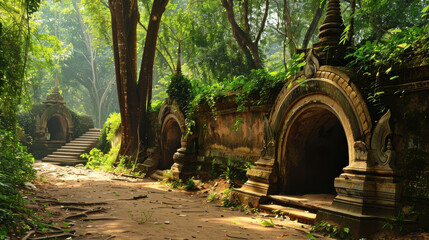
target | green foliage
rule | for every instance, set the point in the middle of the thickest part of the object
(398, 222)
(410, 46)
(169, 180)
(212, 196)
(232, 170)
(190, 184)
(227, 200)
(332, 231)
(15, 169)
(27, 122)
(98, 160)
(180, 89)
(108, 131)
(267, 223)
(256, 88)
(379, 57)
(81, 123)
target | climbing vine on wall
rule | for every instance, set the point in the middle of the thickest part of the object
(256, 88)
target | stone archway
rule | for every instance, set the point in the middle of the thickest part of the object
(56, 120)
(175, 151)
(171, 135)
(305, 115)
(313, 152)
(57, 128)
(329, 98)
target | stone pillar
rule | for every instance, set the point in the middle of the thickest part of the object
(368, 191)
(262, 178)
(185, 163)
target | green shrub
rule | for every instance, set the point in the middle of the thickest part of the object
(180, 89)
(108, 131)
(169, 180)
(98, 160)
(190, 184)
(82, 123)
(15, 169)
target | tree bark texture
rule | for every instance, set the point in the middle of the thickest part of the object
(313, 24)
(146, 68)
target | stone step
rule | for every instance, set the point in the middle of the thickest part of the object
(69, 154)
(158, 175)
(77, 144)
(71, 147)
(71, 150)
(84, 141)
(62, 156)
(87, 139)
(90, 136)
(94, 130)
(310, 202)
(302, 216)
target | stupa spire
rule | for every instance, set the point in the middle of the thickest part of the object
(332, 28)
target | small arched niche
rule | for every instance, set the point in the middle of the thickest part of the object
(170, 142)
(57, 128)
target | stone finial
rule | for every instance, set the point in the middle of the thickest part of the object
(55, 96)
(178, 65)
(332, 28)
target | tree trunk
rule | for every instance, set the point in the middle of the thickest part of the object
(289, 28)
(249, 47)
(134, 98)
(313, 24)
(124, 26)
(146, 69)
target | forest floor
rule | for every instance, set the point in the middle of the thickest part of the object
(132, 208)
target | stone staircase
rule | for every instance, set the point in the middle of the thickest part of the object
(69, 154)
(302, 208)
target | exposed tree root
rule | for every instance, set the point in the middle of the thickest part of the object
(57, 236)
(56, 202)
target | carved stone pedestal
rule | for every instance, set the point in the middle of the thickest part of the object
(261, 182)
(364, 202)
(185, 164)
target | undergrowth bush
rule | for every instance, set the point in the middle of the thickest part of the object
(15, 170)
(112, 124)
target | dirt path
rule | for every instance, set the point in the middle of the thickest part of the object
(162, 214)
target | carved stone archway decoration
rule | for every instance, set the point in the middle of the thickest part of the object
(170, 121)
(370, 151)
(55, 117)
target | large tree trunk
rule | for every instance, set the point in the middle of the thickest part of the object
(124, 26)
(134, 98)
(146, 69)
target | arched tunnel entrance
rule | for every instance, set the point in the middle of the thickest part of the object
(170, 142)
(57, 128)
(314, 152)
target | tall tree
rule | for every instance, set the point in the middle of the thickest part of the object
(98, 94)
(134, 96)
(248, 44)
